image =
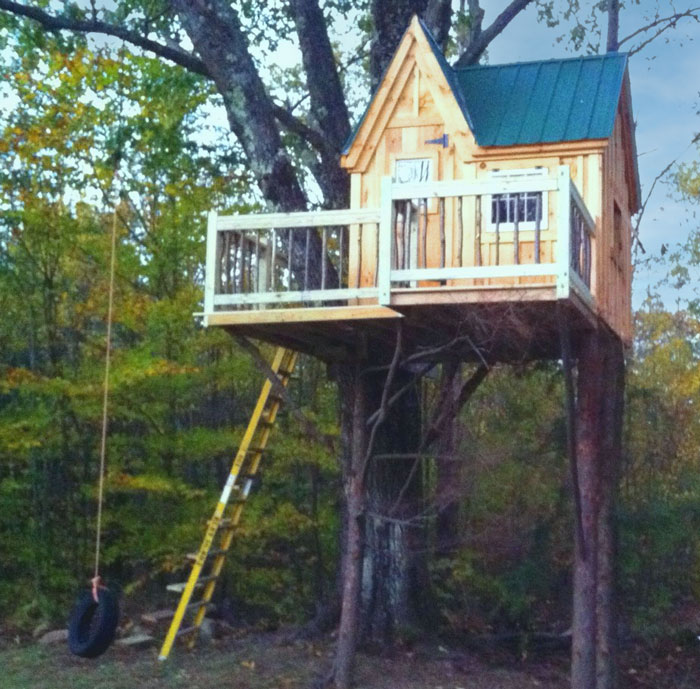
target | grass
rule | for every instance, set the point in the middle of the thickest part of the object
(266, 661)
(261, 662)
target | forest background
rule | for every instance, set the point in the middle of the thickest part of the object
(89, 124)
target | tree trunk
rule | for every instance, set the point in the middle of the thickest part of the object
(354, 431)
(588, 427)
(393, 573)
(598, 448)
(612, 44)
(610, 461)
(449, 469)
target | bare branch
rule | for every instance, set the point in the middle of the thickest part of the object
(669, 22)
(452, 403)
(384, 403)
(635, 232)
(60, 23)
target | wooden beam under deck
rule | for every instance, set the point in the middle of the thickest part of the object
(300, 315)
(464, 326)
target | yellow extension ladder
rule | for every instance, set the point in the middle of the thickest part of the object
(209, 561)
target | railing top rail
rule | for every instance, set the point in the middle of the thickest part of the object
(580, 204)
(460, 187)
(268, 221)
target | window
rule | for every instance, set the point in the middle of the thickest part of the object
(413, 170)
(528, 208)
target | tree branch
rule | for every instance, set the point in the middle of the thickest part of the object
(296, 126)
(670, 22)
(62, 23)
(327, 101)
(482, 39)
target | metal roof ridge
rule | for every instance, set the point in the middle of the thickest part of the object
(604, 56)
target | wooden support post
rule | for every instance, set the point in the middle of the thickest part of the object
(610, 461)
(211, 275)
(563, 231)
(385, 232)
(598, 447)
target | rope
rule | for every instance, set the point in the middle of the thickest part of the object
(105, 404)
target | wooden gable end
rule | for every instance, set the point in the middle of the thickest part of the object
(414, 97)
(624, 129)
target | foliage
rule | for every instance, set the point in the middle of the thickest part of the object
(91, 128)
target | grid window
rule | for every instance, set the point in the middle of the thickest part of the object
(525, 207)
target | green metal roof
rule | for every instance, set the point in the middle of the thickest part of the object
(534, 102)
(543, 102)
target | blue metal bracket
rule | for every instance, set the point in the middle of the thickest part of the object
(444, 140)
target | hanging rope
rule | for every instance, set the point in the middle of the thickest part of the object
(96, 581)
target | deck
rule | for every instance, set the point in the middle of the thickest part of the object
(479, 269)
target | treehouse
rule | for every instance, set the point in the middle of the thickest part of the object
(485, 203)
(488, 206)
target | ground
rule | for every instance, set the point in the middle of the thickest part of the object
(268, 661)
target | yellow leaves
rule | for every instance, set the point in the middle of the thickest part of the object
(15, 378)
(147, 483)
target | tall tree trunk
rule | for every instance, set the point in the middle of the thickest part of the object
(393, 572)
(613, 38)
(588, 427)
(449, 469)
(610, 462)
(354, 432)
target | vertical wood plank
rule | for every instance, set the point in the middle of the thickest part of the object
(384, 258)
(211, 277)
(563, 231)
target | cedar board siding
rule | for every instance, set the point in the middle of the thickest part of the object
(414, 104)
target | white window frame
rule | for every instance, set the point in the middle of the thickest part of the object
(524, 226)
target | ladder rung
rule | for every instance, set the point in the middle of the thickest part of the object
(153, 618)
(180, 586)
(186, 631)
(192, 557)
(226, 522)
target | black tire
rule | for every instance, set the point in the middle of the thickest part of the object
(92, 625)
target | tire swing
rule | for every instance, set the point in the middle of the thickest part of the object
(93, 622)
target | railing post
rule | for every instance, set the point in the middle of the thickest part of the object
(384, 257)
(563, 231)
(211, 268)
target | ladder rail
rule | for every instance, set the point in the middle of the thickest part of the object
(265, 411)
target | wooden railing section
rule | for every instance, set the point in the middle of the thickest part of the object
(257, 261)
(507, 232)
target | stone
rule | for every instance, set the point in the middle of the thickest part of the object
(56, 636)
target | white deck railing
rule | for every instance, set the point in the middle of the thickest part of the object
(330, 257)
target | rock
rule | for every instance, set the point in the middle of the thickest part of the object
(40, 630)
(136, 641)
(206, 630)
(56, 636)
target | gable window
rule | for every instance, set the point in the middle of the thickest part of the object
(528, 209)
